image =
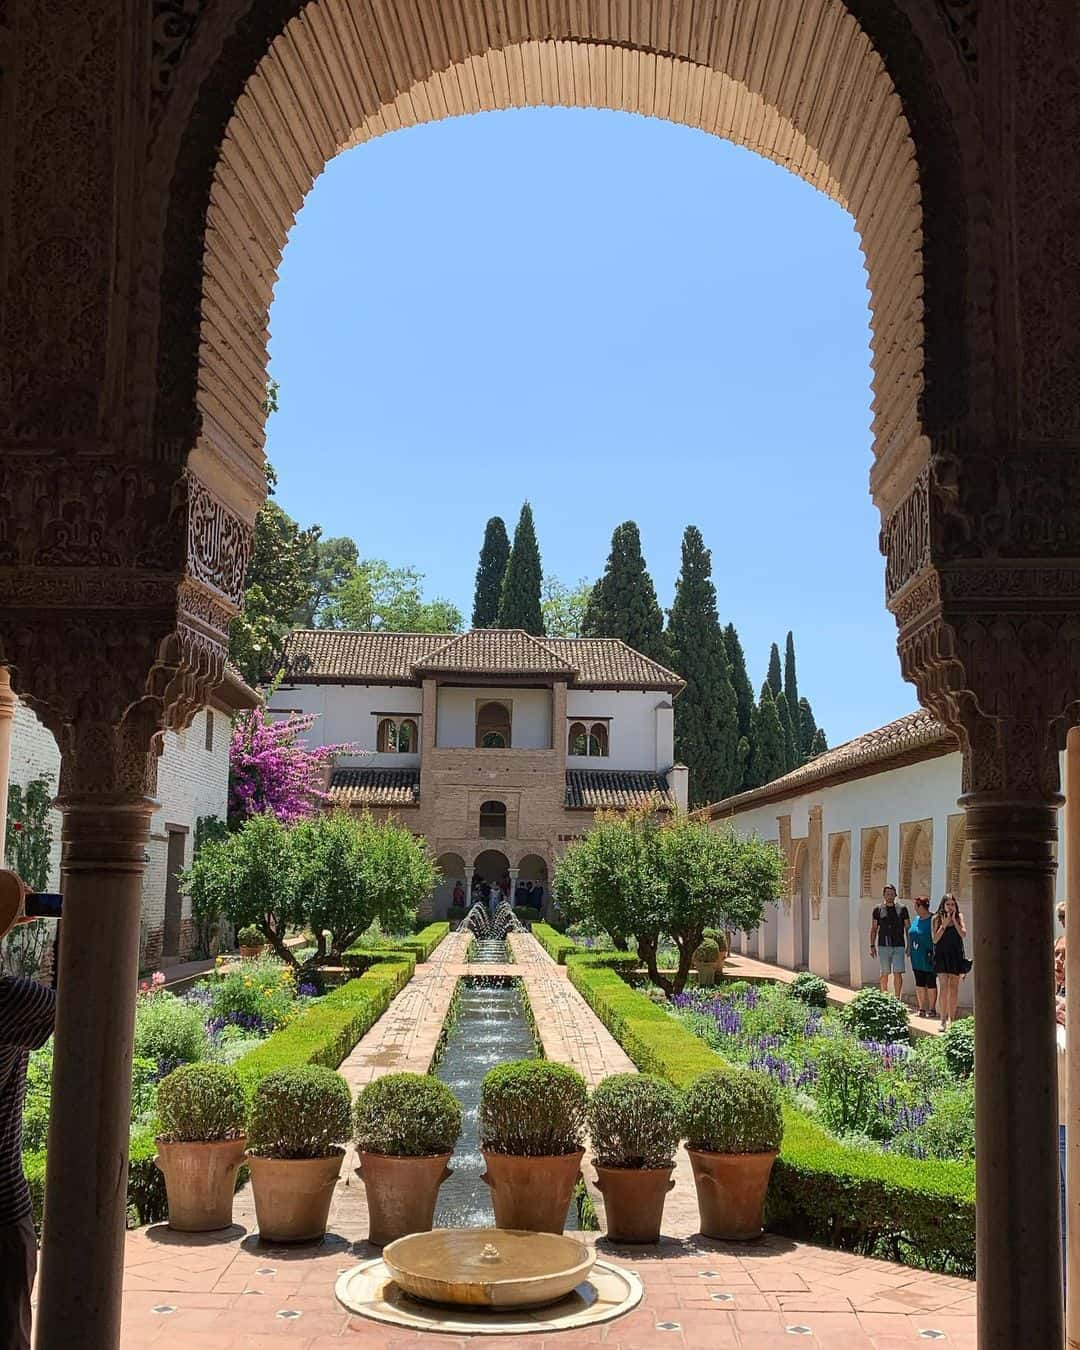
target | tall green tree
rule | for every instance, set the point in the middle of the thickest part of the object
(623, 602)
(767, 753)
(563, 607)
(494, 555)
(791, 688)
(807, 728)
(774, 677)
(378, 596)
(740, 681)
(791, 747)
(519, 603)
(706, 716)
(820, 744)
(335, 560)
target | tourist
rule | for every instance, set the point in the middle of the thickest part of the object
(1062, 1090)
(459, 895)
(888, 939)
(921, 952)
(1059, 951)
(950, 962)
(27, 1012)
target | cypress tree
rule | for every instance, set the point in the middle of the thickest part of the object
(820, 744)
(740, 681)
(519, 603)
(791, 747)
(791, 692)
(623, 602)
(807, 728)
(774, 670)
(767, 750)
(706, 717)
(489, 574)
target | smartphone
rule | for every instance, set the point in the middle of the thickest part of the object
(43, 905)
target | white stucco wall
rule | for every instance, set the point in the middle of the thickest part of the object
(530, 722)
(348, 713)
(641, 730)
(840, 938)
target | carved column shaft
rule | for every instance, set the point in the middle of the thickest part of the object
(7, 721)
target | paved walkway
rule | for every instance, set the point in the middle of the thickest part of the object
(228, 1291)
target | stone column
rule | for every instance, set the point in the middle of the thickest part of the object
(470, 872)
(79, 1290)
(1072, 988)
(1013, 869)
(514, 872)
(7, 719)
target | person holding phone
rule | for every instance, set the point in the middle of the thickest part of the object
(27, 1015)
(950, 960)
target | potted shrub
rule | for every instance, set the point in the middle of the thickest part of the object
(298, 1119)
(252, 942)
(532, 1125)
(200, 1149)
(708, 960)
(634, 1126)
(406, 1127)
(733, 1127)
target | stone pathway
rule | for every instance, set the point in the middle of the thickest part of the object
(228, 1291)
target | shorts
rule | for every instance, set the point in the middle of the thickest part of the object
(924, 979)
(891, 959)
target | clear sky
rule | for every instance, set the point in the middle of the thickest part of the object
(618, 318)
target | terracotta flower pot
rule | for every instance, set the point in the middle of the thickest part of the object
(532, 1193)
(731, 1192)
(401, 1193)
(200, 1181)
(634, 1201)
(252, 953)
(292, 1195)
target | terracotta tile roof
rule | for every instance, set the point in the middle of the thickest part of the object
(341, 655)
(375, 787)
(917, 736)
(609, 661)
(378, 658)
(615, 789)
(496, 651)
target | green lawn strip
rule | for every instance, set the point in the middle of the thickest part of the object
(821, 1190)
(420, 947)
(323, 1034)
(553, 942)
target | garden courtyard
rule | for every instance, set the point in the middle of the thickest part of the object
(230, 1291)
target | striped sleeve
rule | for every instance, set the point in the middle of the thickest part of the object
(27, 1013)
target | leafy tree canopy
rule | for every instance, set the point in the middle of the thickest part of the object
(623, 602)
(494, 555)
(378, 596)
(519, 604)
(563, 607)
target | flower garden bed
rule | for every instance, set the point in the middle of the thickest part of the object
(254, 1018)
(824, 1188)
(420, 947)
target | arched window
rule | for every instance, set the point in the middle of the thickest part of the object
(406, 740)
(598, 739)
(577, 741)
(493, 726)
(386, 741)
(493, 820)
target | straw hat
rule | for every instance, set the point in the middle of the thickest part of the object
(12, 894)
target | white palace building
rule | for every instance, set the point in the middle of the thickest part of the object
(879, 809)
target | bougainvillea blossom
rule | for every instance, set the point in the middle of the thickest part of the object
(271, 770)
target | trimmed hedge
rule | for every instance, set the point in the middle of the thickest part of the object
(553, 942)
(418, 947)
(821, 1190)
(327, 1031)
(146, 1183)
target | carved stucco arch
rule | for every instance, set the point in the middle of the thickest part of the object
(799, 81)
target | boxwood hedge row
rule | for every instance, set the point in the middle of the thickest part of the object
(885, 1204)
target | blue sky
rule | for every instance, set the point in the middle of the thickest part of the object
(617, 318)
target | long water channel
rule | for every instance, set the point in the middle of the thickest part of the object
(490, 1028)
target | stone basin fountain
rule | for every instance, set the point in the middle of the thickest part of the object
(488, 1267)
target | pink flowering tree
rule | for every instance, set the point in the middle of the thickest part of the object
(272, 772)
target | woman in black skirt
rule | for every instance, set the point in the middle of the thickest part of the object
(950, 962)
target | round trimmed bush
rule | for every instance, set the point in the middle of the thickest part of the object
(876, 1016)
(634, 1121)
(251, 936)
(407, 1115)
(707, 952)
(733, 1111)
(532, 1108)
(810, 989)
(959, 1047)
(200, 1103)
(168, 1031)
(303, 1112)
